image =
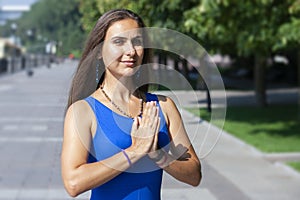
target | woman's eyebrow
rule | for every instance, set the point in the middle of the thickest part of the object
(138, 37)
(122, 37)
(119, 37)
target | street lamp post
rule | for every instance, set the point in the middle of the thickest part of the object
(29, 70)
(13, 27)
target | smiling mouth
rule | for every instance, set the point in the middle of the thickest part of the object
(128, 62)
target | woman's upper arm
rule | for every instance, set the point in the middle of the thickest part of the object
(77, 136)
(181, 144)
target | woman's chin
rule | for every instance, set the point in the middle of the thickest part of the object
(130, 71)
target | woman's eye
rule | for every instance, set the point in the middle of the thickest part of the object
(137, 42)
(119, 41)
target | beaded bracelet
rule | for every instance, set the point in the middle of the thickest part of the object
(127, 157)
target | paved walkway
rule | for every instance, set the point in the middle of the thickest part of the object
(31, 134)
(234, 169)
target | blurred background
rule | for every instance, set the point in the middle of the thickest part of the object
(254, 43)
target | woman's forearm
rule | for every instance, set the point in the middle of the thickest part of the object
(187, 171)
(90, 175)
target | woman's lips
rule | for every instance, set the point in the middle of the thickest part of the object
(128, 63)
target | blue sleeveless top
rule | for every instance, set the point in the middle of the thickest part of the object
(142, 181)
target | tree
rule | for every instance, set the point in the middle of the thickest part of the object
(242, 28)
(54, 20)
(90, 13)
(159, 13)
(289, 33)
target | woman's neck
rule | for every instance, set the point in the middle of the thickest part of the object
(119, 89)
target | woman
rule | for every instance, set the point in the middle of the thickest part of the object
(117, 137)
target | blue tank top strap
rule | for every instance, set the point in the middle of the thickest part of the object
(91, 102)
(151, 97)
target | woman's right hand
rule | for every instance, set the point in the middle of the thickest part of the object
(144, 132)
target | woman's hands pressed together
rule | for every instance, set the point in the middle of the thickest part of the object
(145, 129)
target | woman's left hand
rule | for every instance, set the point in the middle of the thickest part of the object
(145, 130)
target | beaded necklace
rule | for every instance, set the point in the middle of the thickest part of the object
(118, 108)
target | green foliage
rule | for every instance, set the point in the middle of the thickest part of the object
(246, 27)
(241, 28)
(160, 13)
(289, 32)
(53, 20)
(232, 27)
(90, 14)
(238, 28)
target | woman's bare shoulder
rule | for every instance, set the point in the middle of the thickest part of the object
(166, 102)
(80, 106)
(81, 114)
(81, 111)
(168, 107)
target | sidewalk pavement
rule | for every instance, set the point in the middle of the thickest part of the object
(234, 169)
(31, 134)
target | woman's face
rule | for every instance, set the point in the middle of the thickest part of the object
(122, 50)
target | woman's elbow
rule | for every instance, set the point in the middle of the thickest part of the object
(196, 180)
(196, 177)
(72, 188)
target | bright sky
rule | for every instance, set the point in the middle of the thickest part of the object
(17, 2)
(12, 9)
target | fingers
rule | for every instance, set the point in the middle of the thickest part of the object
(135, 122)
(145, 129)
(150, 114)
(155, 142)
(147, 125)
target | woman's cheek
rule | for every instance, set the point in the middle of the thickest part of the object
(111, 54)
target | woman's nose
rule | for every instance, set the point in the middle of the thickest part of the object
(130, 50)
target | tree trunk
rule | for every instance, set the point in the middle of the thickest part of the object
(185, 69)
(298, 74)
(176, 63)
(260, 83)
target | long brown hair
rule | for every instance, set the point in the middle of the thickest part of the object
(84, 81)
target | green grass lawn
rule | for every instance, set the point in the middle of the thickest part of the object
(270, 129)
(295, 165)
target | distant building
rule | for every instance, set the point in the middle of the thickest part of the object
(13, 9)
